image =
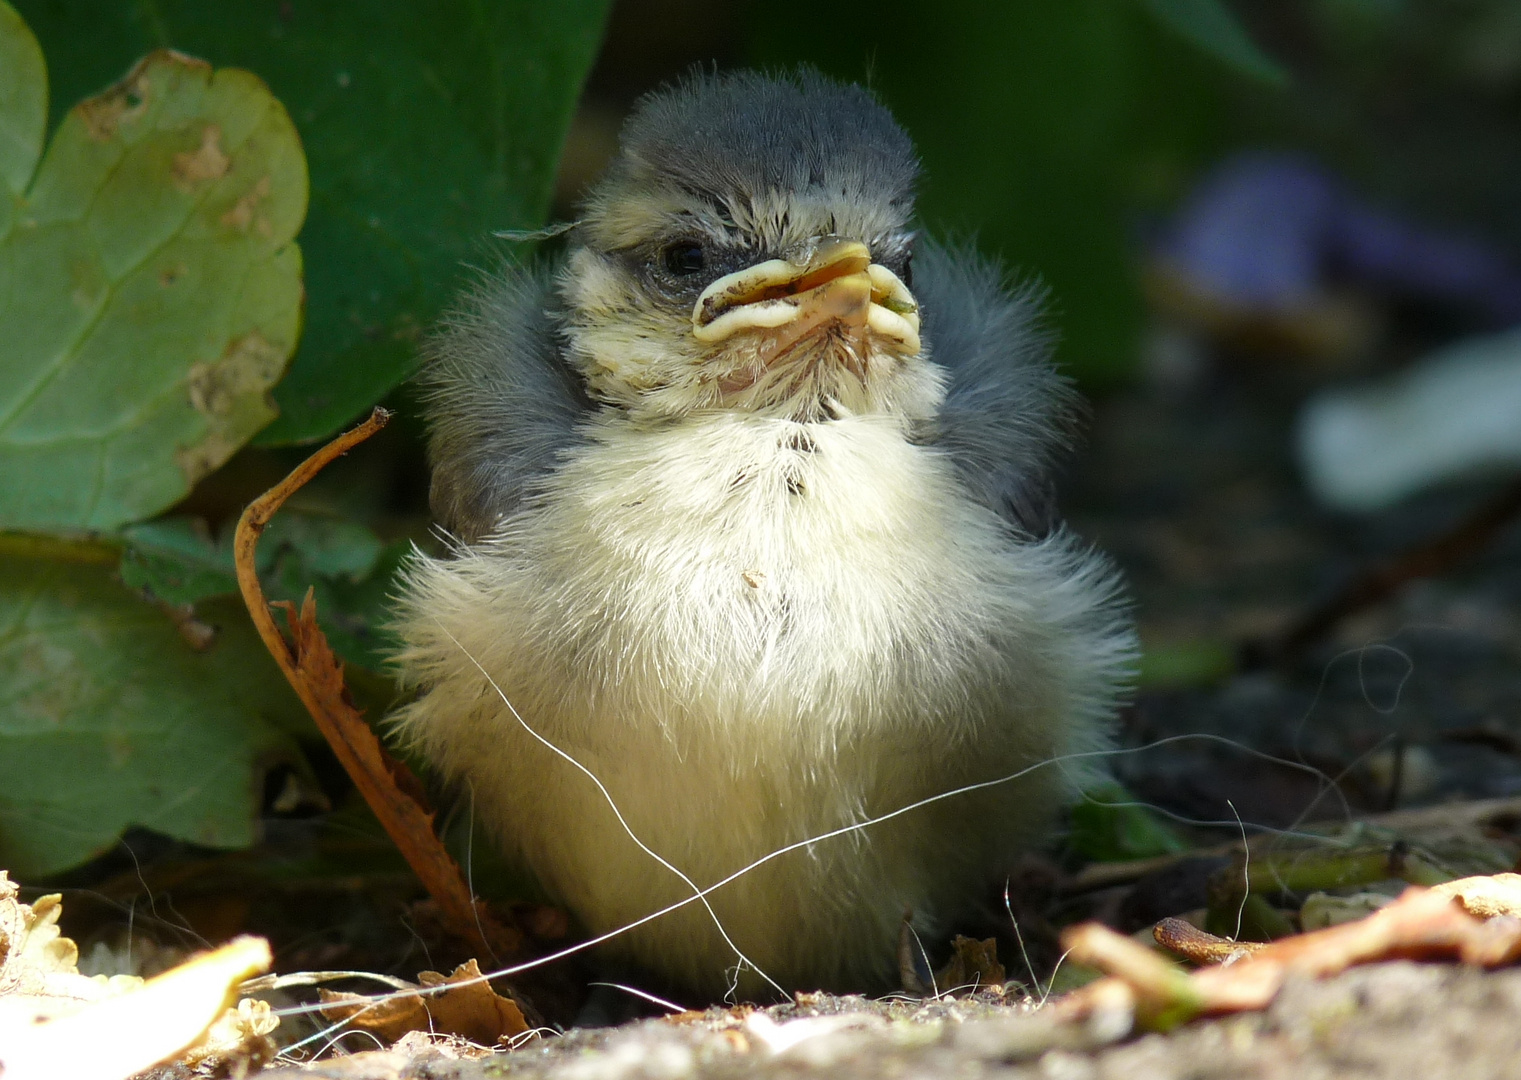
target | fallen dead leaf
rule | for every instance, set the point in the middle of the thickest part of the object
(1421, 924)
(123, 1034)
(973, 966)
(469, 1008)
(1188, 941)
(39, 967)
(237, 1038)
(55, 1022)
(1141, 982)
(1486, 896)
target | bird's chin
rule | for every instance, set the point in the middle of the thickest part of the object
(803, 373)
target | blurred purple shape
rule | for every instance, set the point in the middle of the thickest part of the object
(1264, 230)
(1253, 231)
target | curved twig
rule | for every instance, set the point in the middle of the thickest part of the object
(316, 674)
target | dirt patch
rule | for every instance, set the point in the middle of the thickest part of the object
(1387, 1020)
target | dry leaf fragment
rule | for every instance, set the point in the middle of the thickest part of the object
(53, 1020)
(470, 1008)
(119, 1036)
(1188, 941)
(1422, 923)
(35, 958)
(973, 966)
(1141, 980)
(1486, 896)
(240, 1034)
(39, 973)
(422, 1044)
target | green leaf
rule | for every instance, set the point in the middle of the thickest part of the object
(177, 561)
(23, 110)
(1213, 27)
(150, 293)
(1109, 826)
(427, 126)
(323, 545)
(109, 719)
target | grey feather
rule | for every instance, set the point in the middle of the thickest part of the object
(745, 133)
(501, 403)
(1006, 422)
(1008, 417)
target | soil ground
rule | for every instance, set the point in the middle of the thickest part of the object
(1381, 1022)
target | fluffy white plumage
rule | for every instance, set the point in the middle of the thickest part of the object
(753, 624)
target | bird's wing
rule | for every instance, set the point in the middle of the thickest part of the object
(1008, 416)
(502, 404)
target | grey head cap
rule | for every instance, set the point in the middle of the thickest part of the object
(746, 135)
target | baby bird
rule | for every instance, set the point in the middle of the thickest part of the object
(752, 506)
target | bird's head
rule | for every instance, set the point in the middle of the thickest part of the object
(750, 248)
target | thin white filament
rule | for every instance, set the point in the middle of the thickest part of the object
(591, 943)
(645, 994)
(697, 894)
(1246, 872)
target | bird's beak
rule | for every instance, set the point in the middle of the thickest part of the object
(839, 283)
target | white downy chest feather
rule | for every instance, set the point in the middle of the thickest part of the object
(755, 631)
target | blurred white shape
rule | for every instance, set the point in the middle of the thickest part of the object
(1456, 413)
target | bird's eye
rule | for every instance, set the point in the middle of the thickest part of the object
(683, 257)
(907, 277)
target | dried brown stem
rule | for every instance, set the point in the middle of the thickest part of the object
(1421, 924)
(316, 675)
(1194, 944)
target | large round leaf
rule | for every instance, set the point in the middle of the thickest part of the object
(109, 718)
(23, 110)
(150, 289)
(428, 126)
